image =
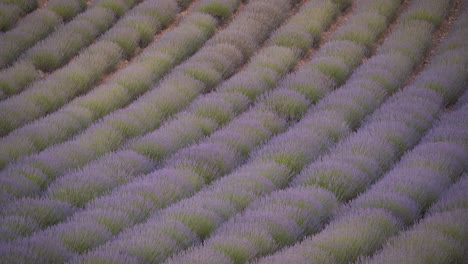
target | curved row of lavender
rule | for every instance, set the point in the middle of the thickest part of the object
(251, 8)
(285, 216)
(120, 89)
(134, 28)
(443, 225)
(400, 196)
(118, 127)
(393, 203)
(78, 77)
(202, 119)
(193, 219)
(114, 119)
(35, 25)
(13, 10)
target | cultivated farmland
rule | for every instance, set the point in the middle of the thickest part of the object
(234, 131)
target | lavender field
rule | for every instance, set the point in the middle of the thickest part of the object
(234, 131)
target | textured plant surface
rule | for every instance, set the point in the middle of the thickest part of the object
(229, 131)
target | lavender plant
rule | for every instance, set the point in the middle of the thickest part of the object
(154, 63)
(9, 14)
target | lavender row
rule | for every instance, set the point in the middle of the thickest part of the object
(201, 214)
(264, 226)
(117, 168)
(121, 88)
(174, 93)
(403, 193)
(136, 28)
(55, 50)
(126, 34)
(25, 6)
(397, 199)
(431, 241)
(11, 11)
(202, 119)
(431, 173)
(35, 26)
(59, 87)
(443, 227)
(200, 169)
(76, 189)
(453, 199)
(253, 6)
(233, 242)
(204, 116)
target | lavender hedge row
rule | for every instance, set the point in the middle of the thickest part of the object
(253, 6)
(438, 238)
(25, 5)
(433, 172)
(127, 34)
(9, 14)
(180, 211)
(186, 127)
(55, 50)
(243, 242)
(136, 28)
(452, 199)
(244, 143)
(119, 126)
(35, 26)
(154, 64)
(58, 88)
(238, 244)
(121, 88)
(400, 197)
(77, 190)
